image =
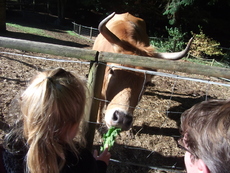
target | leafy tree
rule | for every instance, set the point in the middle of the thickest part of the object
(172, 9)
(173, 43)
(61, 10)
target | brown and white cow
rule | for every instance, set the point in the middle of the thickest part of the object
(124, 33)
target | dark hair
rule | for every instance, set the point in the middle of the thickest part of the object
(206, 131)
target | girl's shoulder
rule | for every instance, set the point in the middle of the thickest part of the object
(2, 167)
(84, 162)
(13, 162)
(83, 154)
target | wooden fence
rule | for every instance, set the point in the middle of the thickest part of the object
(85, 30)
(132, 60)
(97, 70)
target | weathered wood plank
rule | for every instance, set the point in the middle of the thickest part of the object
(53, 49)
(170, 65)
(132, 60)
(95, 82)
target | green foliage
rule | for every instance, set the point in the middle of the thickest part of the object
(173, 43)
(109, 138)
(172, 8)
(205, 47)
(197, 8)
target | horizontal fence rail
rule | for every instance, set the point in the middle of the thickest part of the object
(149, 62)
(52, 49)
(122, 59)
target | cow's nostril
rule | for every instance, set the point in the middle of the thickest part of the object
(115, 116)
(122, 119)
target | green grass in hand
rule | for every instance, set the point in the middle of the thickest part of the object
(109, 138)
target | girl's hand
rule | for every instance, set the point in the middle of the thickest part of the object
(104, 156)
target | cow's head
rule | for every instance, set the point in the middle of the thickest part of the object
(123, 89)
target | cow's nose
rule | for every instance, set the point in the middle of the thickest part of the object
(121, 119)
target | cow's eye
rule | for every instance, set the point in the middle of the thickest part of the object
(111, 71)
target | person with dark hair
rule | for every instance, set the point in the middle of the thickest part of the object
(205, 132)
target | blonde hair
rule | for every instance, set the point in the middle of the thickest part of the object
(52, 104)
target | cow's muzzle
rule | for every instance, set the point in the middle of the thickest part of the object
(122, 120)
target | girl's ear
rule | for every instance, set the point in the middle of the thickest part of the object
(73, 132)
(202, 168)
(67, 133)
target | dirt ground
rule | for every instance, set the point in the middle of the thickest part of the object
(150, 146)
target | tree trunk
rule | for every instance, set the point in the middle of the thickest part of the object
(2, 16)
(61, 11)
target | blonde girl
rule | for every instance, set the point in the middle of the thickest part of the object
(42, 141)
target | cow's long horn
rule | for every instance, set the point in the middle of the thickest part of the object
(107, 33)
(176, 55)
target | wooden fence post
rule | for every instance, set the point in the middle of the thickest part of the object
(91, 31)
(95, 81)
(74, 27)
(79, 30)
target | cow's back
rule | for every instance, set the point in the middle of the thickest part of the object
(126, 27)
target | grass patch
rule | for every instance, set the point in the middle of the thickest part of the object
(29, 30)
(72, 33)
(36, 31)
(209, 62)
